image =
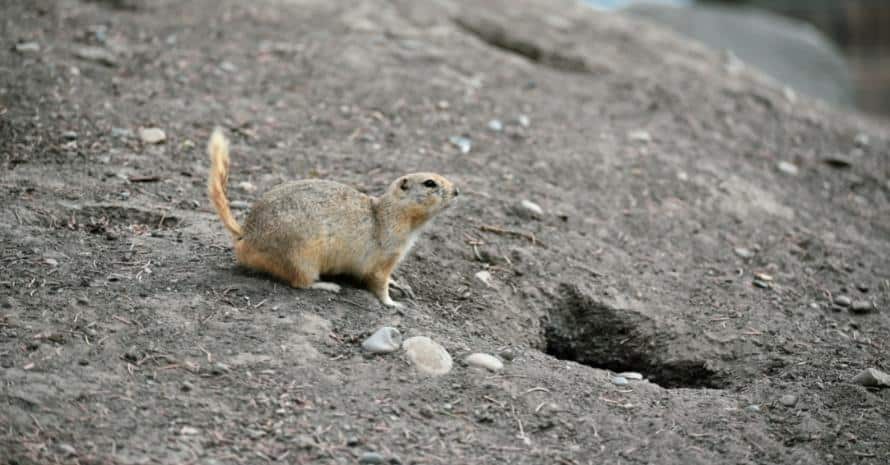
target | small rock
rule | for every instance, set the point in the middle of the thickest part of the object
(69, 135)
(815, 306)
(743, 252)
(370, 458)
(763, 277)
(753, 408)
(228, 67)
(67, 449)
(121, 133)
(353, 441)
(51, 261)
(639, 136)
(152, 135)
(761, 284)
(631, 375)
(619, 381)
(788, 400)
(507, 354)
(788, 168)
(27, 47)
(496, 125)
(486, 361)
(872, 377)
(842, 301)
(186, 387)
(246, 186)
(485, 277)
(385, 340)
(789, 94)
(427, 356)
(531, 209)
(96, 54)
(861, 140)
(861, 306)
(443, 104)
(523, 121)
(462, 143)
(304, 441)
(239, 204)
(188, 431)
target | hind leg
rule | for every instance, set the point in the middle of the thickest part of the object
(253, 258)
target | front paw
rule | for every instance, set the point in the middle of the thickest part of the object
(392, 303)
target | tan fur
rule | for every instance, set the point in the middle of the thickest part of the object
(218, 149)
(303, 230)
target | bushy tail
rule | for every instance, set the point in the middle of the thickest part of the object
(218, 149)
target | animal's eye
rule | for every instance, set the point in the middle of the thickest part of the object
(430, 183)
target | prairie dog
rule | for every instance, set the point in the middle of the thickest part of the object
(302, 230)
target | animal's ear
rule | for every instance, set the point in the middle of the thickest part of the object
(404, 184)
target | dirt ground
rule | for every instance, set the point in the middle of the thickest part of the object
(700, 225)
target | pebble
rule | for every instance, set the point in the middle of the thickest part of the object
(842, 301)
(304, 441)
(761, 284)
(788, 168)
(247, 186)
(639, 136)
(872, 377)
(815, 305)
(861, 140)
(385, 340)
(27, 47)
(496, 125)
(631, 375)
(507, 354)
(370, 458)
(69, 135)
(523, 121)
(239, 204)
(462, 143)
(838, 161)
(228, 67)
(96, 54)
(763, 277)
(861, 306)
(484, 276)
(788, 400)
(486, 361)
(121, 133)
(188, 431)
(743, 252)
(619, 381)
(51, 261)
(427, 355)
(531, 208)
(67, 449)
(753, 408)
(152, 135)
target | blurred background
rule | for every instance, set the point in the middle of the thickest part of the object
(835, 50)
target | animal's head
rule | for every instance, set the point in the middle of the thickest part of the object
(421, 196)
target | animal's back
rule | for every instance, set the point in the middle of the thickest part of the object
(328, 214)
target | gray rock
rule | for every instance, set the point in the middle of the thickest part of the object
(27, 47)
(788, 400)
(639, 136)
(619, 381)
(427, 356)
(496, 125)
(788, 168)
(531, 208)
(152, 135)
(861, 140)
(385, 340)
(370, 458)
(97, 55)
(872, 377)
(462, 143)
(69, 135)
(743, 252)
(66, 449)
(304, 441)
(121, 133)
(761, 284)
(752, 408)
(485, 277)
(486, 361)
(239, 204)
(861, 306)
(842, 301)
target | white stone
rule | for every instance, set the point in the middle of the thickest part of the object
(188, 431)
(152, 135)
(532, 207)
(872, 377)
(486, 361)
(427, 355)
(246, 186)
(631, 375)
(523, 121)
(496, 125)
(639, 136)
(27, 47)
(485, 277)
(385, 340)
(619, 381)
(788, 168)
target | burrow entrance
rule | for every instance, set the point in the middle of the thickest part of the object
(594, 333)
